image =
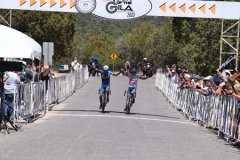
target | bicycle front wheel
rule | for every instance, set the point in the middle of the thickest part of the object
(129, 104)
(104, 99)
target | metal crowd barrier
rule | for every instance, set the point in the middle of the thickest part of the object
(30, 99)
(62, 87)
(33, 98)
(219, 112)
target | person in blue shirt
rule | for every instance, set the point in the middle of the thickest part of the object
(105, 75)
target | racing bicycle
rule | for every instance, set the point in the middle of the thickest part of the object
(130, 101)
(104, 100)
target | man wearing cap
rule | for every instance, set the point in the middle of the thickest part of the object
(207, 88)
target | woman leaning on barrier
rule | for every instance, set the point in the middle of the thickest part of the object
(236, 123)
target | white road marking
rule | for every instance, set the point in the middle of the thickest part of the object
(122, 117)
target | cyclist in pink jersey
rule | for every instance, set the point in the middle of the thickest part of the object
(132, 86)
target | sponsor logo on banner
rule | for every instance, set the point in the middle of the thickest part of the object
(120, 6)
(85, 6)
(115, 9)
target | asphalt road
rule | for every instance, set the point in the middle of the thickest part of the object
(76, 130)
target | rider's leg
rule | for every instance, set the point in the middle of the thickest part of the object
(100, 97)
(133, 97)
(126, 102)
(108, 93)
(133, 93)
(127, 97)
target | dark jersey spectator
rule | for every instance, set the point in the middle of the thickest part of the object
(37, 77)
(28, 74)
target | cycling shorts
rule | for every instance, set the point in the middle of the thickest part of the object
(131, 90)
(103, 88)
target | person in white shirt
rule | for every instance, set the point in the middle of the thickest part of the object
(11, 81)
(75, 65)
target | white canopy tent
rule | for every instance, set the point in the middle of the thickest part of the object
(15, 44)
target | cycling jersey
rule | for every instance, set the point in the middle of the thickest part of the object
(133, 79)
(105, 80)
(106, 77)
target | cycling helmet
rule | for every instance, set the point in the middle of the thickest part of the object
(145, 59)
(106, 67)
(127, 63)
(133, 70)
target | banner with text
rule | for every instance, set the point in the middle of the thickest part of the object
(129, 9)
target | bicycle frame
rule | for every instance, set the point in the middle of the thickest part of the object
(129, 102)
(104, 99)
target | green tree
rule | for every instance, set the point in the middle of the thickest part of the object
(48, 27)
(100, 45)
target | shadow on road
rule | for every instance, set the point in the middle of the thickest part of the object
(97, 111)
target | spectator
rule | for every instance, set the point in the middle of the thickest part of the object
(185, 68)
(173, 76)
(236, 77)
(11, 80)
(51, 74)
(37, 74)
(168, 71)
(186, 79)
(207, 88)
(221, 85)
(75, 65)
(174, 67)
(28, 73)
(236, 92)
(228, 88)
(44, 75)
(196, 82)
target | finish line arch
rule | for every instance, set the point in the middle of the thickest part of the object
(130, 9)
(119, 8)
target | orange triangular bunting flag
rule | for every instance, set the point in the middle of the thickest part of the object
(163, 7)
(32, 2)
(213, 9)
(62, 3)
(42, 2)
(183, 7)
(21, 2)
(173, 7)
(193, 8)
(52, 3)
(203, 8)
(72, 4)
